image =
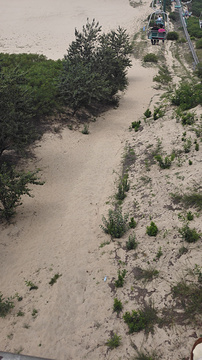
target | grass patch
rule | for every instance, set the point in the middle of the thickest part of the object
(145, 355)
(147, 274)
(151, 58)
(143, 319)
(152, 230)
(189, 235)
(193, 199)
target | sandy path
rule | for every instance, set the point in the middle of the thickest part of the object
(58, 231)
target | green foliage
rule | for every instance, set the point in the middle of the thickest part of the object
(5, 305)
(120, 281)
(164, 75)
(34, 313)
(54, 279)
(151, 58)
(147, 113)
(158, 113)
(193, 27)
(196, 8)
(131, 244)
(94, 69)
(136, 125)
(116, 224)
(85, 130)
(13, 185)
(143, 319)
(199, 70)
(20, 313)
(187, 96)
(123, 188)
(118, 306)
(189, 235)
(114, 341)
(152, 230)
(187, 118)
(197, 147)
(183, 250)
(31, 285)
(190, 216)
(132, 223)
(158, 254)
(16, 110)
(164, 164)
(172, 35)
(173, 16)
(187, 146)
(199, 44)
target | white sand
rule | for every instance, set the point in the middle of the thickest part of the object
(58, 231)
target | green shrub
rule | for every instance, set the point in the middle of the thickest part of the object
(54, 279)
(190, 216)
(187, 96)
(188, 118)
(136, 125)
(173, 16)
(132, 224)
(143, 319)
(189, 235)
(152, 230)
(172, 35)
(147, 113)
(187, 146)
(5, 306)
(151, 58)
(199, 44)
(146, 274)
(120, 281)
(118, 306)
(164, 164)
(158, 113)
(164, 76)
(193, 27)
(123, 188)
(145, 355)
(131, 244)
(114, 341)
(116, 224)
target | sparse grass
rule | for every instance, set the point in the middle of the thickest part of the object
(143, 319)
(20, 313)
(190, 298)
(193, 199)
(166, 163)
(183, 250)
(136, 125)
(116, 224)
(5, 305)
(189, 235)
(158, 254)
(31, 285)
(120, 281)
(190, 216)
(104, 244)
(34, 313)
(131, 244)
(145, 355)
(54, 279)
(164, 76)
(158, 113)
(114, 341)
(147, 274)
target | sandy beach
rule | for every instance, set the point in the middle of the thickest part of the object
(58, 231)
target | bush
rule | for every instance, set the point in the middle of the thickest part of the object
(173, 16)
(123, 188)
(187, 96)
(147, 113)
(116, 225)
(189, 235)
(114, 341)
(132, 224)
(151, 58)
(172, 35)
(5, 306)
(143, 319)
(199, 44)
(136, 125)
(13, 185)
(121, 276)
(118, 306)
(164, 164)
(152, 230)
(158, 113)
(131, 244)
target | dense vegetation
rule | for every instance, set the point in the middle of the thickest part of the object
(33, 87)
